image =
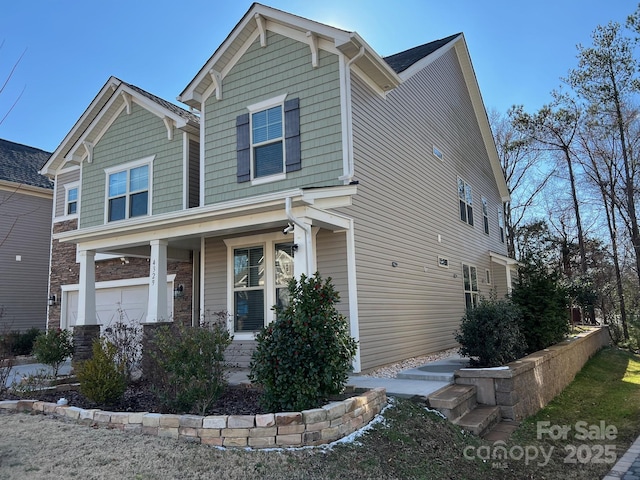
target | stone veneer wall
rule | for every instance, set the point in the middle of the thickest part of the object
(65, 271)
(289, 429)
(530, 383)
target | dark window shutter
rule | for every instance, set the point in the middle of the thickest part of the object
(243, 145)
(292, 134)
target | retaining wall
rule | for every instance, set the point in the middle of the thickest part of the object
(288, 429)
(523, 387)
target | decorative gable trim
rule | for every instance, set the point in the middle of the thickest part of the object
(261, 19)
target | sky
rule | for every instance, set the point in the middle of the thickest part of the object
(520, 50)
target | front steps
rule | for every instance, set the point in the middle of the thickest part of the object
(458, 403)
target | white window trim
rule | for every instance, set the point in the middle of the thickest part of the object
(501, 228)
(268, 242)
(438, 153)
(67, 187)
(485, 215)
(472, 292)
(255, 108)
(467, 205)
(126, 167)
(487, 276)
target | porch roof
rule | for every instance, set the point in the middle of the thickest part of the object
(182, 227)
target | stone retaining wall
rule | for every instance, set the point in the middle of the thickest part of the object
(289, 429)
(528, 384)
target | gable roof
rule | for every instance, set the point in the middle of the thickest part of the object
(20, 164)
(403, 60)
(256, 22)
(110, 99)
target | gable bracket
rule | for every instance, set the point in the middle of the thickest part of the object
(89, 148)
(168, 123)
(216, 78)
(262, 29)
(313, 44)
(127, 101)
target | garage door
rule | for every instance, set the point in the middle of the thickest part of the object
(124, 303)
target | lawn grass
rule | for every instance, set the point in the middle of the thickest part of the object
(410, 442)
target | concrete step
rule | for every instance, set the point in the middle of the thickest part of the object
(480, 420)
(454, 401)
(502, 431)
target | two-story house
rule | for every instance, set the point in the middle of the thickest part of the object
(302, 150)
(25, 237)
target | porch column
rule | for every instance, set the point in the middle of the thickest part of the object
(86, 329)
(157, 306)
(304, 259)
(87, 290)
(509, 280)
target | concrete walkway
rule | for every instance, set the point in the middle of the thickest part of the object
(18, 372)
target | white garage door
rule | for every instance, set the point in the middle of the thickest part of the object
(122, 303)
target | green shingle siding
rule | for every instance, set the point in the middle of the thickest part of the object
(284, 66)
(132, 137)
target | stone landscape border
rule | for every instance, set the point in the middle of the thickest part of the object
(524, 386)
(313, 427)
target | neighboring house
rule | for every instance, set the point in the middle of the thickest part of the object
(309, 152)
(25, 237)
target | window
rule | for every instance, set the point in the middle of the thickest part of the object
(261, 274)
(487, 274)
(248, 272)
(470, 276)
(71, 200)
(465, 198)
(437, 152)
(501, 223)
(128, 192)
(485, 215)
(268, 140)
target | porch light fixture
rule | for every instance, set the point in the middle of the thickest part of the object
(287, 229)
(178, 291)
(52, 300)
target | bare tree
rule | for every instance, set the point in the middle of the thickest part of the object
(522, 167)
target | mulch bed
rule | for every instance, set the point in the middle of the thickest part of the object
(236, 400)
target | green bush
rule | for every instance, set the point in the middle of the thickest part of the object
(101, 378)
(186, 365)
(21, 343)
(544, 304)
(490, 334)
(53, 348)
(306, 354)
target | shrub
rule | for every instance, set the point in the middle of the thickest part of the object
(6, 361)
(101, 378)
(544, 305)
(186, 365)
(305, 355)
(490, 334)
(53, 348)
(22, 343)
(127, 339)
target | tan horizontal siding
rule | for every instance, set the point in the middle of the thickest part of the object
(406, 198)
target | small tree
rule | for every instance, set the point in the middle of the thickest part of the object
(490, 334)
(53, 348)
(544, 304)
(306, 354)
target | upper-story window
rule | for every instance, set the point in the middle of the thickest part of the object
(71, 200)
(268, 140)
(466, 201)
(128, 191)
(485, 215)
(501, 223)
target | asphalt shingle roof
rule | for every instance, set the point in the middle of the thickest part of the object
(403, 60)
(188, 116)
(20, 164)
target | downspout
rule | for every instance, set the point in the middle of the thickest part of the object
(347, 89)
(307, 233)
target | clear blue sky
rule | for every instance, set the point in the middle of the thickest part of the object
(519, 49)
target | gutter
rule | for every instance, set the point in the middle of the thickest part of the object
(348, 176)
